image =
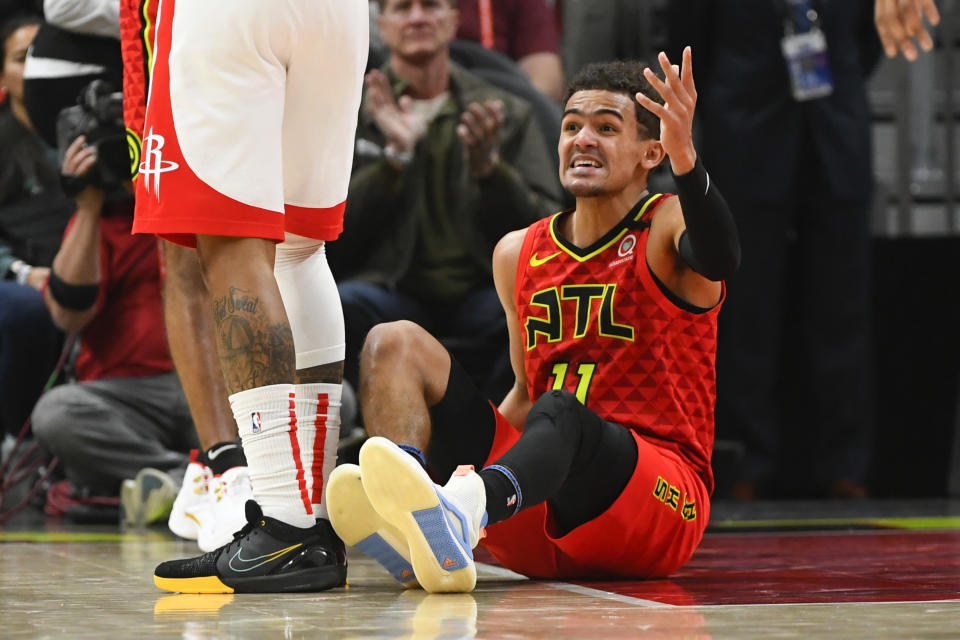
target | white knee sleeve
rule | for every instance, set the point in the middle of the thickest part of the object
(311, 300)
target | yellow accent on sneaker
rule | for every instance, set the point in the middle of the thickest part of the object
(206, 584)
(187, 603)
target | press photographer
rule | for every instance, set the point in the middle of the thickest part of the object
(127, 410)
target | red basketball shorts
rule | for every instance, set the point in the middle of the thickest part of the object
(251, 118)
(651, 530)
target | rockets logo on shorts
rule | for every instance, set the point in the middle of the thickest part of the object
(256, 422)
(153, 163)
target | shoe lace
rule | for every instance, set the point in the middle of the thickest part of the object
(254, 519)
(247, 528)
(236, 484)
(200, 481)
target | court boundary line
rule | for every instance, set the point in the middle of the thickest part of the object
(576, 588)
(816, 604)
(653, 604)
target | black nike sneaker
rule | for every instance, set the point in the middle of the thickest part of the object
(266, 556)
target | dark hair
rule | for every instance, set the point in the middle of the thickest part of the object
(24, 165)
(10, 26)
(382, 4)
(620, 76)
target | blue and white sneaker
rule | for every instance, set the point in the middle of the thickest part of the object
(360, 526)
(441, 525)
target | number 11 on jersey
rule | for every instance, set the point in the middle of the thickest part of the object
(584, 374)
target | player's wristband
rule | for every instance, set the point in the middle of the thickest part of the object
(76, 297)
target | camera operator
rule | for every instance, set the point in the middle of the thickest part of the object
(127, 411)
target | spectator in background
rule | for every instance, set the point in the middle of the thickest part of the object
(788, 135)
(600, 30)
(127, 411)
(33, 214)
(900, 23)
(445, 164)
(524, 30)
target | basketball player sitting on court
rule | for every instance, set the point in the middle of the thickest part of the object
(597, 462)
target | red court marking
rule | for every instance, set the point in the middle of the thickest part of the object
(779, 568)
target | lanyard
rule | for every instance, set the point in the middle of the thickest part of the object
(800, 16)
(485, 9)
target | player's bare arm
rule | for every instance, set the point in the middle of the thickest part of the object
(693, 243)
(516, 405)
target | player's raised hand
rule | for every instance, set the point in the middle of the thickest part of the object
(900, 22)
(676, 113)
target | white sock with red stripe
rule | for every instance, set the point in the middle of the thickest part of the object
(318, 429)
(266, 420)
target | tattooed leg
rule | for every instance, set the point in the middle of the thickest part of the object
(254, 340)
(257, 355)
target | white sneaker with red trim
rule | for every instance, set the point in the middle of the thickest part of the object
(193, 494)
(223, 514)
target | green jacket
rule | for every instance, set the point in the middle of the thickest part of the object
(386, 208)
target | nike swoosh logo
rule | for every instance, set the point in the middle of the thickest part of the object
(212, 455)
(536, 262)
(252, 563)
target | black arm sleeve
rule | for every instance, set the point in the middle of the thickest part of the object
(709, 244)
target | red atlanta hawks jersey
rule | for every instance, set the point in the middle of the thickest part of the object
(598, 323)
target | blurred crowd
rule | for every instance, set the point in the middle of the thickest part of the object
(447, 160)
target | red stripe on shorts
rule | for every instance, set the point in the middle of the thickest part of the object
(319, 223)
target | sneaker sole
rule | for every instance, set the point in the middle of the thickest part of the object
(360, 526)
(404, 495)
(298, 582)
